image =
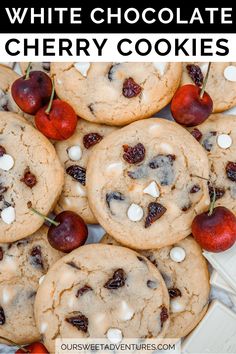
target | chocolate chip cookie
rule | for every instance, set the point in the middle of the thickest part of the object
(73, 154)
(98, 289)
(31, 176)
(221, 84)
(186, 275)
(7, 77)
(22, 266)
(217, 135)
(116, 93)
(143, 183)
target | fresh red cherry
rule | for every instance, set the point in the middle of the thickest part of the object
(34, 348)
(32, 91)
(67, 231)
(58, 123)
(215, 230)
(70, 233)
(191, 105)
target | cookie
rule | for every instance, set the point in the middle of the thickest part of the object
(186, 275)
(218, 137)
(116, 93)
(7, 77)
(221, 84)
(41, 66)
(73, 154)
(31, 175)
(143, 183)
(92, 292)
(22, 264)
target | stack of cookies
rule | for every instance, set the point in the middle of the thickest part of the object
(142, 179)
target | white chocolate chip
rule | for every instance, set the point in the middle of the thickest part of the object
(114, 168)
(135, 212)
(8, 215)
(160, 67)
(74, 153)
(43, 327)
(224, 141)
(81, 191)
(6, 296)
(152, 189)
(41, 279)
(166, 148)
(59, 81)
(204, 67)
(82, 67)
(114, 335)
(176, 306)
(230, 73)
(126, 312)
(177, 254)
(6, 162)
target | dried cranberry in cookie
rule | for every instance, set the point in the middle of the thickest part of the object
(219, 141)
(114, 307)
(74, 154)
(22, 266)
(188, 289)
(30, 174)
(116, 93)
(220, 82)
(145, 188)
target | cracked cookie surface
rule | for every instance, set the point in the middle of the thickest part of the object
(116, 93)
(148, 183)
(217, 135)
(97, 288)
(187, 283)
(31, 175)
(221, 90)
(74, 152)
(22, 264)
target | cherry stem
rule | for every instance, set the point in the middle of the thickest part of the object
(55, 223)
(205, 81)
(51, 98)
(27, 73)
(212, 202)
(17, 345)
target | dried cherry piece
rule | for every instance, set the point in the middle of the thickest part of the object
(131, 88)
(231, 170)
(36, 256)
(29, 179)
(1, 254)
(195, 73)
(195, 188)
(83, 290)
(134, 154)
(196, 134)
(80, 322)
(78, 173)
(174, 292)
(155, 211)
(2, 316)
(218, 191)
(117, 281)
(91, 139)
(164, 315)
(114, 195)
(2, 151)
